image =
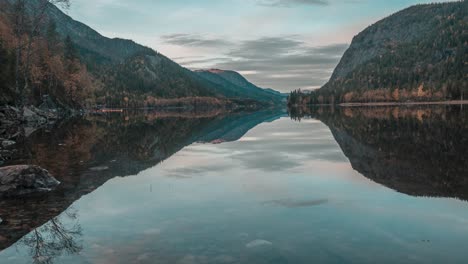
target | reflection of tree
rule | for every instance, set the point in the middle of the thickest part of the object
(54, 239)
(416, 150)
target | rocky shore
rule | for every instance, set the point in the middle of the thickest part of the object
(16, 124)
(19, 123)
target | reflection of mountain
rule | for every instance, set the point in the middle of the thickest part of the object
(420, 151)
(83, 154)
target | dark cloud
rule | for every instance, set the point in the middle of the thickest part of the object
(291, 3)
(193, 40)
(287, 50)
(265, 47)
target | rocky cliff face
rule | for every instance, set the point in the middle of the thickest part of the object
(418, 54)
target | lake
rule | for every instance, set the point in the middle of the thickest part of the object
(324, 185)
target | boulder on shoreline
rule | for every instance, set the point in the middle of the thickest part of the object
(25, 179)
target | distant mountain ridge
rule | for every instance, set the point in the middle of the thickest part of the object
(236, 85)
(417, 54)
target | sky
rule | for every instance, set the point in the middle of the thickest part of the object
(279, 44)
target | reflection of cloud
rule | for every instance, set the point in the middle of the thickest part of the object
(294, 204)
(267, 161)
(189, 172)
(269, 148)
(279, 149)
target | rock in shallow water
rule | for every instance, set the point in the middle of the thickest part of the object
(25, 179)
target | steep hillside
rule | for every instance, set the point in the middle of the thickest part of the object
(235, 85)
(113, 72)
(418, 54)
(35, 61)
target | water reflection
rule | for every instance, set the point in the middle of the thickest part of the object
(293, 204)
(54, 238)
(84, 153)
(417, 150)
(264, 189)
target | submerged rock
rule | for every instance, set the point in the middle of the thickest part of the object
(25, 179)
(258, 243)
(7, 143)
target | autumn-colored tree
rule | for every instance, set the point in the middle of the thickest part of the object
(41, 61)
(28, 19)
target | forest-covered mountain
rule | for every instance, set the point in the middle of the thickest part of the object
(418, 54)
(78, 67)
(235, 85)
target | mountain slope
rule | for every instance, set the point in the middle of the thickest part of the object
(418, 54)
(85, 37)
(118, 72)
(235, 85)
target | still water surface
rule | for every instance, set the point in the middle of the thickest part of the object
(340, 186)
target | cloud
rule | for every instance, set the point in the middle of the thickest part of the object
(291, 3)
(265, 47)
(193, 40)
(283, 62)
